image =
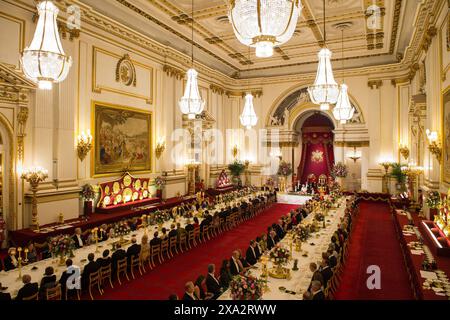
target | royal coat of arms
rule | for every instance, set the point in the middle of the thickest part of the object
(317, 156)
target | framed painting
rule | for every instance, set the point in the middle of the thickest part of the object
(446, 135)
(122, 139)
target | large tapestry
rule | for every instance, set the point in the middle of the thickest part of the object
(122, 139)
(446, 138)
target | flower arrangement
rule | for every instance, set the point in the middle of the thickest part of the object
(62, 245)
(319, 217)
(87, 192)
(246, 288)
(433, 199)
(285, 169)
(160, 217)
(303, 233)
(159, 182)
(280, 256)
(339, 170)
(122, 229)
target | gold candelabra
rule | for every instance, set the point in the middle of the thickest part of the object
(235, 151)
(95, 238)
(434, 145)
(84, 145)
(34, 176)
(160, 148)
(404, 151)
(386, 165)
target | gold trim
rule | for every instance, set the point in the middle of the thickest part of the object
(443, 69)
(22, 25)
(151, 137)
(444, 92)
(99, 88)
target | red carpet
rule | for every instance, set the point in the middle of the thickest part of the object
(374, 242)
(171, 276)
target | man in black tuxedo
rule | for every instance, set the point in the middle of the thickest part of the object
(78, 239)
(212, 284)
(156, 241)
(105, 259)
(326, 272)
(279, 229)
(251, 255)
(316, 290)
(173, 232)
(29, 289)
(65, 277)
(118, 255)
(258, 249)
(4, 296)
(235, 264)
(271, 240)
(133, 251)
(90, 268)
(189, 293)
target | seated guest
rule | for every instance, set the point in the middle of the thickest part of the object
(225, 274)
(279, 229)
(212, 284)
(102, 233)
(180, 231)
(67, 283)
(199, 289)
(317, 275)
(4, 296)
(32, 253)
(77, 238)
(334, 242)
(144, 255)
(332, 258)
(244, 262)
(326, 271)
(91, 267)
(263, 243)
(48, 281)
(271, 240)
(173, 232)
(163, 235)
(133, 250)
(235, 264)
(189, 291)
(251, 255)
(258, 250)
(316, 291)
(118, 255)
(10, 262)
(156, 241)
(29, 289)
(196, 224)
(104, 260)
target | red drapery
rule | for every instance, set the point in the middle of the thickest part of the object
(317, 153)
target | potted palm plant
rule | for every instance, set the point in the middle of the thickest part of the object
(236, 169)
(399, 176)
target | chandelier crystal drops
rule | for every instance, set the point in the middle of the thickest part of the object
(248, 116)
(191, 103)
(325, 90)
(263, 24)
(44, 61)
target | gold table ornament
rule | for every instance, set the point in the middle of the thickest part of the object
(34, 176)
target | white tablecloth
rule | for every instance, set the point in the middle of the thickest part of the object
(301, 278)
(292, 198)
(11, 279)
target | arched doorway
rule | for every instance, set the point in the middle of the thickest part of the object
(316, 141)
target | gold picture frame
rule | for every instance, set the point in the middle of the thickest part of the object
(122, 140)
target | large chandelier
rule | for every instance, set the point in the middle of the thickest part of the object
(192, 103)
(343, 111)
(325, 90)
(44, 61)
(248, 116)
(263, 24)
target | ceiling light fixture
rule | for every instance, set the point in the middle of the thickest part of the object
(192, 103)
(264, 24)
(248, 117)
(325, 90)
(44, 61)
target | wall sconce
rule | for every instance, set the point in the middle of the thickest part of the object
(404, 151)
(84, 144)
(355, 155)
(235, 151)
(34, 176)
(434, 144)
(160, 148)
(386, 165)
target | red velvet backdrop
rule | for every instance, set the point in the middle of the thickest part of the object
(317, 153)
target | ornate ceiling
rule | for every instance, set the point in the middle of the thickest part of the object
(168, 21)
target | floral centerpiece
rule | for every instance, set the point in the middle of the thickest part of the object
(339, 170)
(303, 233)
(433, 199)
(319, 217)
(159, 182)
(285, 169)
(246, 288)
(280, 256)
(88, 194)
(160, 217)
(122, 229)
(62, 246)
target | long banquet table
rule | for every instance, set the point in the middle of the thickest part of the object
(12, 281)
(301, 278)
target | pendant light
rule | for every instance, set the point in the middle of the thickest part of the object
(44, 61)
(248, 117)
(325, 90)
(343, 111)
(192, 103)
(264, 24)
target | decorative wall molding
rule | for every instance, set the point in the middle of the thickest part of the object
(375, 84)
(174, 72)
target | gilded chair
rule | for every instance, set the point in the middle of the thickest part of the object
(156, 251)
(165, 249)
(33, 297)
(53, 293)
(173, 245)
(94, 282)
(122, 269)
(135, 263)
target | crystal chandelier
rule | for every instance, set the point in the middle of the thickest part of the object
(248, 116)
(44, 61)
(263, 24)
(343, 111)
(325, 90)
(192, 103)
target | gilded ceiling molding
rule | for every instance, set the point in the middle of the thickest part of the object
(174, 72)
(375, 84)
(241, 93)
(22, 117)
(402, 80)
(431, 33)
(217, 89)
(73, 33)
